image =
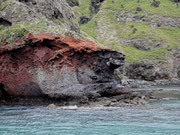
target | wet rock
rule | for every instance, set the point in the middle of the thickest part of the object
(51, 106)
(114, 92)
(1, 94)
(60, 68)
(84, 20)
(135, 83)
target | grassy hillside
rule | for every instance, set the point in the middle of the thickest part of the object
(105, 29)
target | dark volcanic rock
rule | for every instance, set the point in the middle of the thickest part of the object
(138, 9)
(1, 89)
(95, 5)
(174, 62)
(46, 65)
(73, 3)
(141, 70)
(155, 3)
(149, 70)
(4, 22)
(114, 92)
(84, 20)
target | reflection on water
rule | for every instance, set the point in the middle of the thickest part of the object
(162, 118)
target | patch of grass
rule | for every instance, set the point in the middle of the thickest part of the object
(90, 28)
(59, 21)
(1, 27)
(168, 34)
(17, 31)
(166, 8)
(106, 17)
(4, 4)
(83, 8)
(12, 33)
(134, 54)
(145, 31)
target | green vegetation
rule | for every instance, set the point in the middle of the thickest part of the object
(106, 30)
(11, 34)
(90, 28)
(166, 8)
(4, 4)
(83, 8)
(133, 54)
(17, 31)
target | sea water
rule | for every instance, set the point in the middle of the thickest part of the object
(158, 118)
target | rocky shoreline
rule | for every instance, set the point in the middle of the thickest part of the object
(135, 98)
(60, 68)
(50, 69)
(127, 98)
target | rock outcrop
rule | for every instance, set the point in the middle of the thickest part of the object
(95, 5)
(84, 20)
(73, 3)
(148, 70)
(154, 20)
(53, 12)
(57, 67)
(174, 62)
(5, 23)
(141, 70)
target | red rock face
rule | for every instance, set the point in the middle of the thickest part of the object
(50, 65)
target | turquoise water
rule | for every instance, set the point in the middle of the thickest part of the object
(162, 118)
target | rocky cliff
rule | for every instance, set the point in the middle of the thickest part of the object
(57, 67)
(147, 31)
(48, 12)
(44, 52)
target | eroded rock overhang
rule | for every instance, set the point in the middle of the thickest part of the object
(57, 67)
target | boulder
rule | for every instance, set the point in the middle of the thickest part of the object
(155, 3)
(95, 5)
(84, 20)
(57, 67)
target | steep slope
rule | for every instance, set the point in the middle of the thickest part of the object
(148, 34)
(40, 55)
(18, 17)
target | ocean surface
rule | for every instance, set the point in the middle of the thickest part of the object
(157, 118)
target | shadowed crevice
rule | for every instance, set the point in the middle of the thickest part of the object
(5, 23)
(3, 92)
